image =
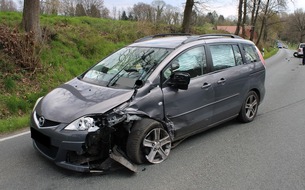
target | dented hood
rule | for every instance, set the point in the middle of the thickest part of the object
(77, 98)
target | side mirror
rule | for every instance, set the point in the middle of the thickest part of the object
(180, 80)
(175, 65)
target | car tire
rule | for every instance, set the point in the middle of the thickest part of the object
(148, 142)
(249, 108)
(295, 54)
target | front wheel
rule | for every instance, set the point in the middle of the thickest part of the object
(149, 142)
(249, 108)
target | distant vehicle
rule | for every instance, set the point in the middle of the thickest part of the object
(279, 45)
(132, 105)
(300, 49)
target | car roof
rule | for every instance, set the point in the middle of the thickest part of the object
(172, 41)
(166, 42)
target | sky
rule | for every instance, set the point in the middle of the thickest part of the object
(222, 7)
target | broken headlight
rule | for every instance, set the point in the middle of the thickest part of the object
(82, 124)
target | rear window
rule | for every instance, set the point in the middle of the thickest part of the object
(250, 53)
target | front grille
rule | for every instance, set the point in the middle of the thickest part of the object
(43, 143)
(46, 122)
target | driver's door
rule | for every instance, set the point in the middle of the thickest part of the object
(190, 110)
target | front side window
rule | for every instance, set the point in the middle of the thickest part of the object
(192, 61)
(125, 67)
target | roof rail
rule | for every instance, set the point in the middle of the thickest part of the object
(161, 35)
(194, 38)
(224, 35)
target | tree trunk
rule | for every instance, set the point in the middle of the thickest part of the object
(265, 33)
(252, 20)
(187, 16)
(240, 12)
(30, 18)
(263, 22)
(244, 20)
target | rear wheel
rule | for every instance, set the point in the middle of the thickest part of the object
(149, 142)
(249, 108)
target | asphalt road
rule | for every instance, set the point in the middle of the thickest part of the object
(268, 153)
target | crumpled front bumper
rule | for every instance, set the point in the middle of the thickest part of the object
(60, 146)
(60, 157)
(56, 145)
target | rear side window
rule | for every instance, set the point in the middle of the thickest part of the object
(250, 54)
(225, 56)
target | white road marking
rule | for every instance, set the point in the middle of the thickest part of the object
(14, 136)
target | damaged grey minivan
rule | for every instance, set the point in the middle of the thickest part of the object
(133, 105)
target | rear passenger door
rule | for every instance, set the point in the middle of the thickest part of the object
(230, 76)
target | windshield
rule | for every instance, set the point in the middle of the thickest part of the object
(125, 67)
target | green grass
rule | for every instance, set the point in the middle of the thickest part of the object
(10, 18)
(9, 83)
(13, 124)
(270, 52)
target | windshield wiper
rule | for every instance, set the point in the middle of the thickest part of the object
(113, 80)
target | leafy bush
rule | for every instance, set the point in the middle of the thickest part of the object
(20, 47)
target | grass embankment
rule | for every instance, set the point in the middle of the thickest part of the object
(70, 46)
(270, 52)
(13, 124)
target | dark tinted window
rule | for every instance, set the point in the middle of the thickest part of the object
(250, 54)
(237, 54)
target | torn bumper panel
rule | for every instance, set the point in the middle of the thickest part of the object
(59, 149)
(83, 151)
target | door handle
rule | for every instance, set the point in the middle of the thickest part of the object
(221, 81)
(205, 85)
